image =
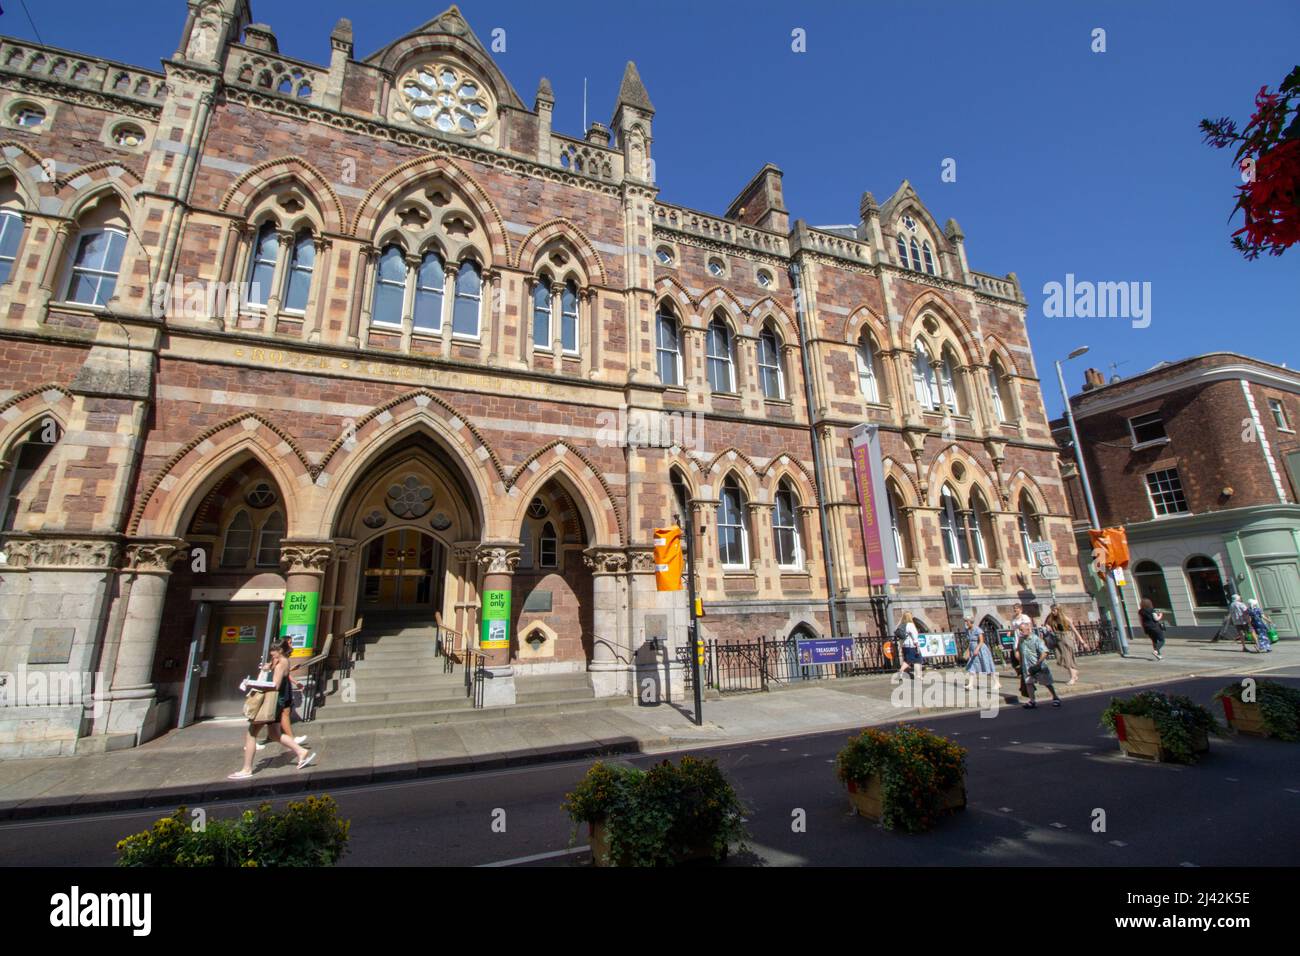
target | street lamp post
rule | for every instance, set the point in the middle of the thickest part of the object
(1121, 624)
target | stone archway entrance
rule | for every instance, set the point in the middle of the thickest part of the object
(403, 531)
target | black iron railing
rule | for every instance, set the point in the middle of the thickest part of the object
(732, 666)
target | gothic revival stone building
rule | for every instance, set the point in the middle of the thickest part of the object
(464, 353)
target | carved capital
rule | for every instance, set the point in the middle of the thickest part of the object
(607, 560)
(498, 558)
(305, 558)
(153, 556)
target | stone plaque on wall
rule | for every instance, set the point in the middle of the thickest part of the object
(51, 645)
(538, 601)
(656, 627)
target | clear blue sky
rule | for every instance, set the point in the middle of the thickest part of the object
(1067, 161)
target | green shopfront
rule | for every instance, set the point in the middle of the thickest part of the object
(1190, 565)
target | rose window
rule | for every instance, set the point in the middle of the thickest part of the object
(410, 499)
(447, 98)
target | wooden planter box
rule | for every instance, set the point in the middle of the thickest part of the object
(1138, 737)
(868, 801)
(1244, 718)
(600, 848)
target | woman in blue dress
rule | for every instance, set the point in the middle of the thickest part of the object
(1259, 624)
(980, 657)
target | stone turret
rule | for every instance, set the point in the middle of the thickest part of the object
(633, 115)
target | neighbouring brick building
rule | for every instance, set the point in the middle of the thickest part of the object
(454, 336)
(1199, 460)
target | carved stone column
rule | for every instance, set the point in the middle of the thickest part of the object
(132, 696)
(304, 564)
(497, 561)
(611, 650)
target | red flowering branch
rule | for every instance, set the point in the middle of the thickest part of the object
(1268, 156)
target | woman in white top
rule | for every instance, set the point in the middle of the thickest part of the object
(911, 645)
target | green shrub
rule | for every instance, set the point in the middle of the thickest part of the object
(916, 767)
(305, 833)
(1179, 719)
(1279, 706)
(658, 817)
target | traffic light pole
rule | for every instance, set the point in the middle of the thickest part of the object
(1116, 607)
(692, 624)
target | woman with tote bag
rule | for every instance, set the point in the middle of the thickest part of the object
(262, 708)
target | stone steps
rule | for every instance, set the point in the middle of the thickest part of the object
(342, 723)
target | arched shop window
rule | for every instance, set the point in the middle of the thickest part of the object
(1205, 582)
(1150, 580)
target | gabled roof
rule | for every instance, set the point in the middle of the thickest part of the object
(449, 23)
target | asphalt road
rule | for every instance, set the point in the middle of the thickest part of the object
(1035, 781)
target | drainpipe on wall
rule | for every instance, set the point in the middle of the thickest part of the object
(816, 450)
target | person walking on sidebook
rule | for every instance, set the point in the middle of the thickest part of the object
(907, 636)
(1259, 622)
(1066, 641)
(286, 710)
(1153, 625)
(269, 716)
(1033, 660)
(1239, 615)
(980, 657)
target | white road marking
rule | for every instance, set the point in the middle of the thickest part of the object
(538, 856)
(1118, 843)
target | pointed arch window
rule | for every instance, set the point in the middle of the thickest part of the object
(390, 288)
(923, 380)
(469, 300)
(430, 284)
(569, 318)
(916, 256)
(96, 266)
(948, 380)
(261, 264)
(902, 251)
(995, 392)
(681, 495)
(929, 257)
(301, 263)
(11, 235)
(720, 357)
(542, 335)
(868, 369)
(1029, 526)
(770, 370)
(785, 527)
(901, 532)
(548, 547)
(238, 545)
(952, 528)
(668, 347)
(981, 529)
(733, 526)
(268, 541)
(25, 460)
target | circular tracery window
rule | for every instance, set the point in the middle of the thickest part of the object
(447, 98)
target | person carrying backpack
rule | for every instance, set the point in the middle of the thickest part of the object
(907, 638)
(1239, 615)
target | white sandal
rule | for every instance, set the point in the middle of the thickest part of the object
(306, 760)
(240, 775)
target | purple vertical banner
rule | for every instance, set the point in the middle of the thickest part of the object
(869, 471)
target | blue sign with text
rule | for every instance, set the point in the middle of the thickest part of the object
(826, 651)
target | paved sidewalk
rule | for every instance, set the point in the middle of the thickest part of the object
(190, 766)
